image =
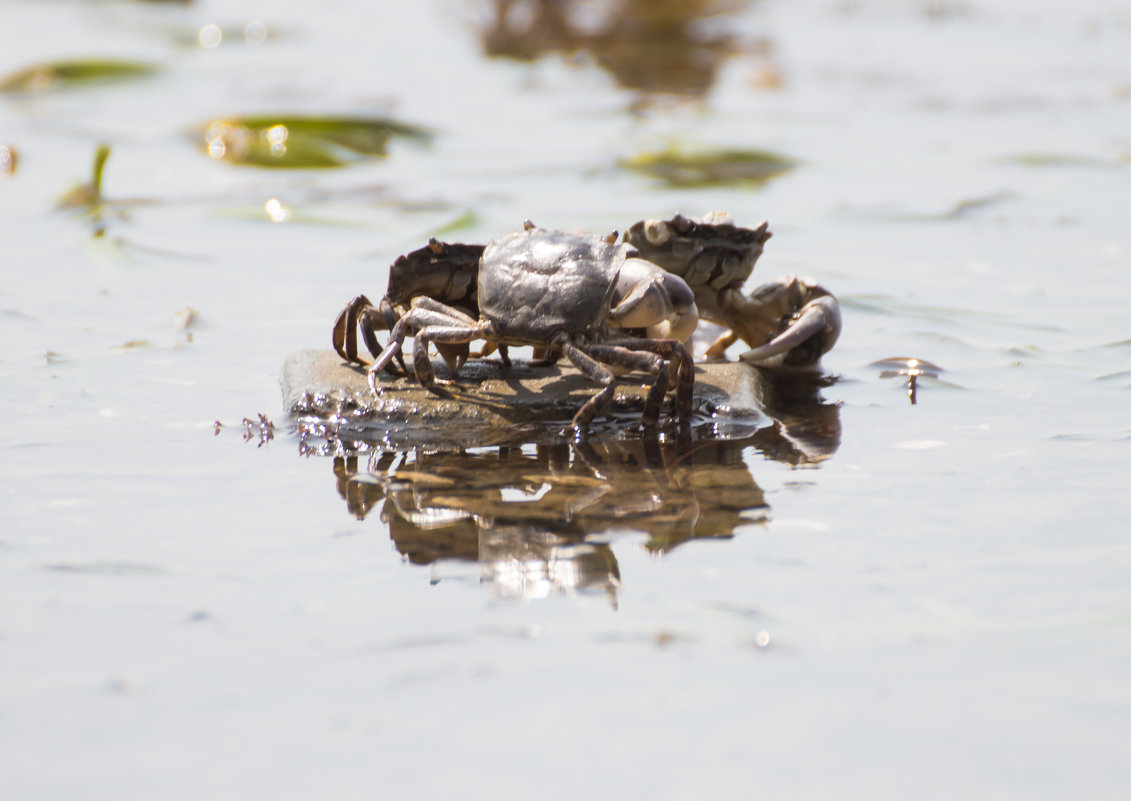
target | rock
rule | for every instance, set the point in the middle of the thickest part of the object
(488, 396)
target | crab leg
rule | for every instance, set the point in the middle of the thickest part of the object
(594, 371)
(345, 329)
(423, 314)
(718, 348)
(679, 361)
(634, 359)
(428, 304)
(454, 353)
(631, 359)
(440, 334)
(655, 399)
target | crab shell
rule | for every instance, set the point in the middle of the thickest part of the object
(718, 255)
(442, 270)
(536, 283)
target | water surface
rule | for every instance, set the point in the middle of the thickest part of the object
(929, 601)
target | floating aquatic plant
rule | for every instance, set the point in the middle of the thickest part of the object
(710, 168)
(301, 142)
(87, 197)
(88, 201)
(1041, 159)
(72, 74)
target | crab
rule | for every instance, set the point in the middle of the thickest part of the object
(791, 321)
(443, 271)
(674, 272)
(556, 290)
(653, 301)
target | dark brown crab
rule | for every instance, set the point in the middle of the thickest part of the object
(553, 290)
(443, 271)
(790, 321)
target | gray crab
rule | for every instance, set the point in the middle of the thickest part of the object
(790, 321)
(559, 291)
(657, 303)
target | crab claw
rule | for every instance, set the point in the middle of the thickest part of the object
(344, 335)
(385, 356)
(809, 334)
(651, 298)
(361, 315)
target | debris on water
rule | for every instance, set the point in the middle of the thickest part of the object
(969, 205)
(87, 197)
(1053, 159)
(88, 201)
(134, 344)
(260, 429)
(665, 638)
(1122, 375)
(105, 568)
(184, 318)
(911, 369)
(959, 209)
(9, 159)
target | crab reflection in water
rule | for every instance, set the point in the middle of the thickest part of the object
(534, 516)
(539, 518)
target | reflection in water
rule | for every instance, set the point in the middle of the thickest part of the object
(538, 516)
(650, 46)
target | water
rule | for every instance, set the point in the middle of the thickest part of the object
(936, 606)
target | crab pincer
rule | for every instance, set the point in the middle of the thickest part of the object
(789, 321)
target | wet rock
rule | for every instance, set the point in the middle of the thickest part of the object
(319, 382)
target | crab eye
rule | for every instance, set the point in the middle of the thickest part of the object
(657, 232)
